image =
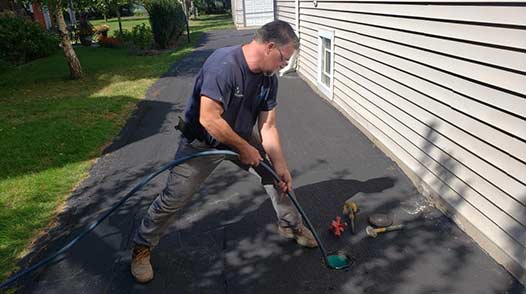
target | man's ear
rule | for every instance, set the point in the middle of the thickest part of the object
(269, 46)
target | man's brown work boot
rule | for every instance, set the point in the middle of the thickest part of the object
(302, 235)
(141, 268)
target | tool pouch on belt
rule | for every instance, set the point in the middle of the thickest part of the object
(188, 132)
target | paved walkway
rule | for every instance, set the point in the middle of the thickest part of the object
(225, 240)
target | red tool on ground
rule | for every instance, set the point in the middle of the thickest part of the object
(337, 226)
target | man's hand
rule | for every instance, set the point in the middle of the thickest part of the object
(248, 154)
(285, 185)
(210, 118)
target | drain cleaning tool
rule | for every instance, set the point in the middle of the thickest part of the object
(351, 208)
(372, 232)
(338, 260)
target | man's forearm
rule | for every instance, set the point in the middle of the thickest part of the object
(221, 131)
(272, 145)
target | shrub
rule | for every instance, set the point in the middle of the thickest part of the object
(24, 40)
(7, 13)
(5, 67)
(142, 36)
(210, 6)
(167, 20)
(139, 39)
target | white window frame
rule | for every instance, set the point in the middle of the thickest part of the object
(326, 90)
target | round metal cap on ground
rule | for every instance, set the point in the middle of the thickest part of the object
(380, 220)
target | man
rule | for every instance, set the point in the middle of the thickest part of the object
(235, 88)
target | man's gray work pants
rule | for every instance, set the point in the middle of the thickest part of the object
(185, 179)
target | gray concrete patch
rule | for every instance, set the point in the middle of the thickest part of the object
(225, 241)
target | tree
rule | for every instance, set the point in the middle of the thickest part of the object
(56, 8)
(115, 5)
(75, 69)
(105, 6)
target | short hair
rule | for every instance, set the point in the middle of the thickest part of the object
(279, 32)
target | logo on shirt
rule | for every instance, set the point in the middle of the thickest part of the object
(263, 93)
(237, 93)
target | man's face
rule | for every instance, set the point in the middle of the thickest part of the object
(276, 57)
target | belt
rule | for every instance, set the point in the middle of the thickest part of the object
(187, 131)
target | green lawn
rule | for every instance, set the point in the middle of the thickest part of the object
(52, 128)
(127, 23)
(216, 21)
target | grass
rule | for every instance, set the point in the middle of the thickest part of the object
(52, 128)
(127, 23)
(216, 21)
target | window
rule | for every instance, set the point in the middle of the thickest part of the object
(325, 61)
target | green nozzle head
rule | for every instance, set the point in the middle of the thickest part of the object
(338, 261)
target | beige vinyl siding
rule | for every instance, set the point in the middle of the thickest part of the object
(442, 86)
(286, 10)
(252, 13)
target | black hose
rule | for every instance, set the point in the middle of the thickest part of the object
(139, 186)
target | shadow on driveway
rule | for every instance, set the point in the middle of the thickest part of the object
(225, 241)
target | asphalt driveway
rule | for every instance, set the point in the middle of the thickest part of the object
(225, 239)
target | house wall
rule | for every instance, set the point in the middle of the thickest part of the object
(441, 87)
(286, 11)
(252, 13)
(258, 12)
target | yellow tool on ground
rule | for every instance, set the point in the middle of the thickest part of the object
(372, 232)
(350, 208)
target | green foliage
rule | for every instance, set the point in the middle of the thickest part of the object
(99, 8)
(167, 20)
(5, 66)
(127, 23)
(51, 127)
(24, 40)
(210, 6)
(139, 39)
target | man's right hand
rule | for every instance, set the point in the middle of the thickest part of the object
(249, 155)
(210, 118)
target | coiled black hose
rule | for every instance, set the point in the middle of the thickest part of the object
(139, 186)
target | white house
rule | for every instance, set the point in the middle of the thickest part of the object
(440, 86)
(252, 13)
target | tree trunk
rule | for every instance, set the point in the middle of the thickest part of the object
(75, 70)
(119, 19)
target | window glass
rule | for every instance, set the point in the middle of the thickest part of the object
(325, 68)
(325, 79)
(327, 43)
(327, 62)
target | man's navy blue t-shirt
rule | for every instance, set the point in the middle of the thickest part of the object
(226, 78)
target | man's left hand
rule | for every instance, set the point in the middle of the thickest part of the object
(285, 185)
